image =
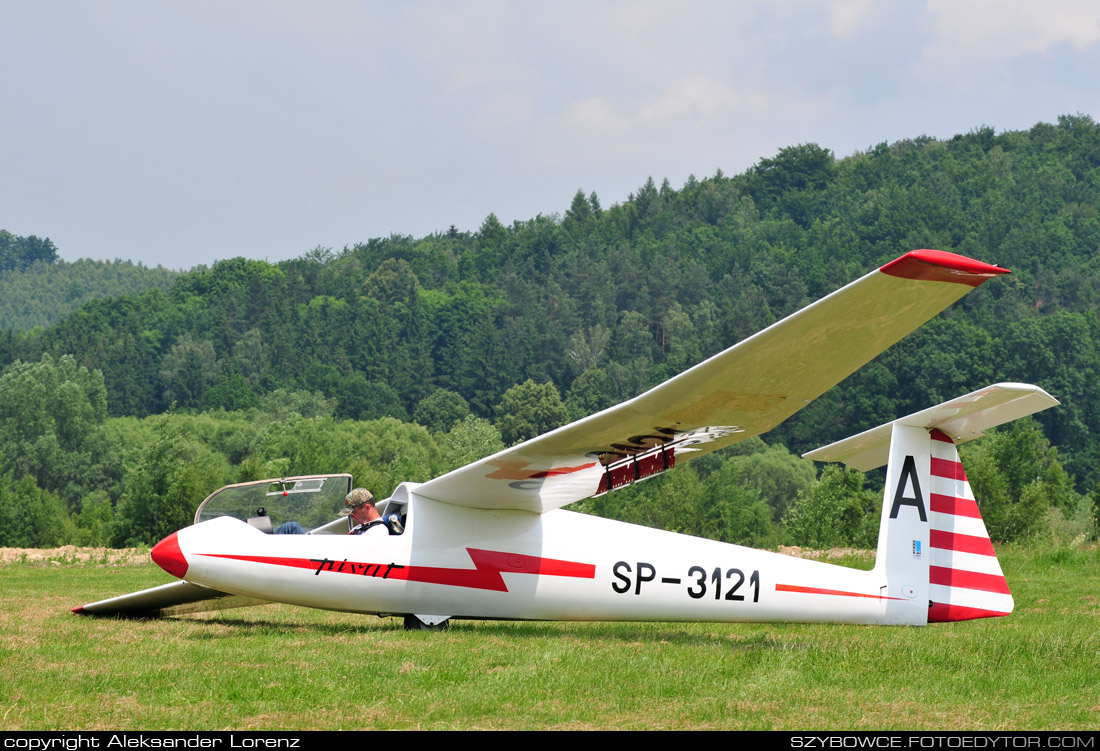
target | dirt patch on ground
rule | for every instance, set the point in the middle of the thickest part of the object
(72, 554)
(831, 553)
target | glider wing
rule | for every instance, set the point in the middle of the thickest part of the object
(168, 599)
(743, 391)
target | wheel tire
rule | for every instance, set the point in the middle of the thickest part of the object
(412, 623)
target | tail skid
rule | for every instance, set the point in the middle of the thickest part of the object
(934, 553)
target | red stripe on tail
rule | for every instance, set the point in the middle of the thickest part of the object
(946, 504)
(961, 543)
(949, 469)
(941, 613)
(957, 577)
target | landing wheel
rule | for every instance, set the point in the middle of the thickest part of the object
(412, 623)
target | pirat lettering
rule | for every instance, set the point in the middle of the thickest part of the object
(363, 569)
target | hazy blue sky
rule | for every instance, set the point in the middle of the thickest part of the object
(183, 132)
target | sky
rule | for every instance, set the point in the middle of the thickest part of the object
(182, 132)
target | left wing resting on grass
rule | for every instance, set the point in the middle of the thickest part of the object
(168, 599)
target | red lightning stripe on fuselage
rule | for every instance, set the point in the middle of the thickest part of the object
(486, 574)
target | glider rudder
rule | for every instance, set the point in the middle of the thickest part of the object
(965, 578)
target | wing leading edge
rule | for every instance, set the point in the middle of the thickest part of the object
(741, 392)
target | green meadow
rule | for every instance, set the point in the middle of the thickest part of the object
(282, 668)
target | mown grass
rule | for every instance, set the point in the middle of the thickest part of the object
(279, 667)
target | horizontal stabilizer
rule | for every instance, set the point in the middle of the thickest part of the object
(962, 419)
(168, 599)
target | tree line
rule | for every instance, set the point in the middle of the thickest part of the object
(47, 290)
(530, 325)
(73, 475)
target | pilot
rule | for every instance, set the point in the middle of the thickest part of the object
(365, 519)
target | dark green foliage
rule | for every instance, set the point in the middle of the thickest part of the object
(19, 253)
(735, 512)
(469, 440)
(835, 512)
(1018, 480)
(282, 405)
(393, 282)
(95, 522)
(590, 393)
(30, 516)
(528, 410)
(777, 476)
(48, 290)
(188, 370)
(360, 399)
(50, 418)
(171, 477)
(795, 180)
(230, 393)
(441, 410)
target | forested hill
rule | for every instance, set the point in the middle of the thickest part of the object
(605, 301)
(37, 288)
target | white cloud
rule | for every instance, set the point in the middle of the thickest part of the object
(593, 116)
(692, 96)
(847, 17)
(981, 33)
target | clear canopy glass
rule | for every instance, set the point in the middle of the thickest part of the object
(312, 501)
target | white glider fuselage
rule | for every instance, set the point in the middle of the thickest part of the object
(561, 565)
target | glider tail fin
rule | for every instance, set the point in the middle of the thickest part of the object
(903, 560)
(935, 557)
(933, 549)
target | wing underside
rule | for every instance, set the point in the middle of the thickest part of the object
(741, 392)
(176, 598)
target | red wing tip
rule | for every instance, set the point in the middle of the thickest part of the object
(941, 266)
(79, 610)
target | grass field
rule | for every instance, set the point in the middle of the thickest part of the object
(279, 667)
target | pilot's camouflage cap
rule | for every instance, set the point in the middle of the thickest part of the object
(357, 498)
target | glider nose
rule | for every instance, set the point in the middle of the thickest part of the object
(168, 556)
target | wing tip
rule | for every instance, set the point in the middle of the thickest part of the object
(79, 610)
(941, 266)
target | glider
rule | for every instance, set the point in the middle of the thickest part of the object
(491, 540)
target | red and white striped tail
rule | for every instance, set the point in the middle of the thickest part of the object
(966, 581)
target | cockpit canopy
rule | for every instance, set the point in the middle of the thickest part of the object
(313, 501)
